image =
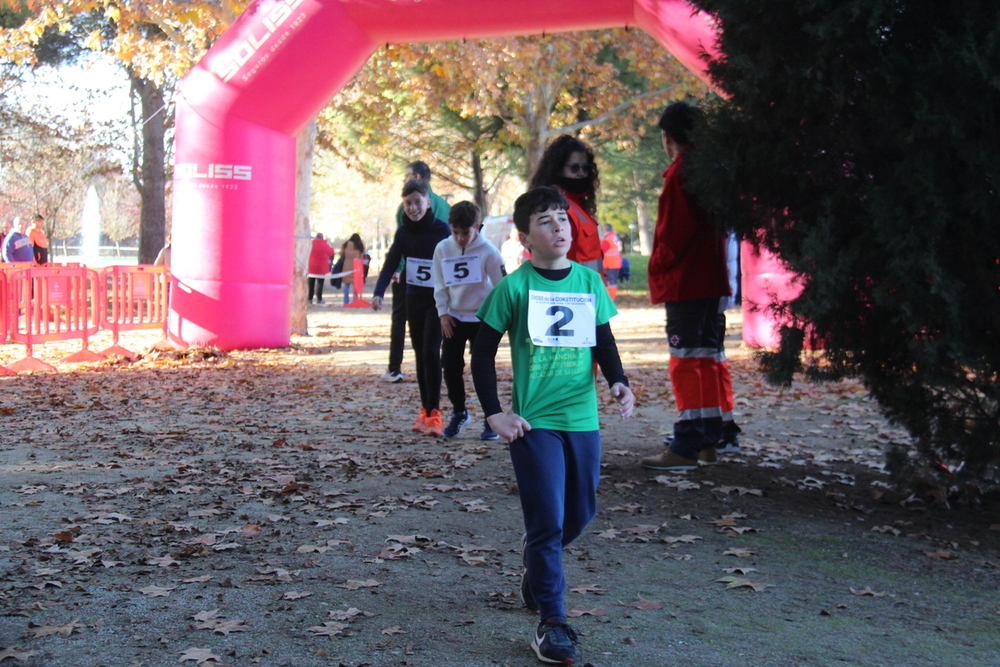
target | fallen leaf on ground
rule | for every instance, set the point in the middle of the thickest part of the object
(642, 603)
(683, 539)
(348, 614)
(354, 584)
(576, 612)
(163, 561)
(726, 490)
(199, 655)
(679, 484)
(206, 615)
(589, 588)
(394, 630)
(328, 629)
(295, 595)
(940, 554)
(739, 553)
(156, 591)
(867, 591)
(19, 654)
(46, 630)
(225, 627)
(737, 582)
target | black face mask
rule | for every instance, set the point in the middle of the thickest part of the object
(577, 186)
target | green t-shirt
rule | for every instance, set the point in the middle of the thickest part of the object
(553, 374)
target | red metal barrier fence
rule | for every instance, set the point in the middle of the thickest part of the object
(46, 304)
(136, 297)
(69, 301)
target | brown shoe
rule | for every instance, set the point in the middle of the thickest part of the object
(669, 460)
(708, 457)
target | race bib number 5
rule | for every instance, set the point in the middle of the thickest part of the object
(560, 319)
(418, 272)
(462, 270)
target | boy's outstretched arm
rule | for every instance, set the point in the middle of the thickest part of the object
(508, 425)
(605, 354)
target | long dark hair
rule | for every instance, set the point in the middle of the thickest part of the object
(356, 241)
(556, 156)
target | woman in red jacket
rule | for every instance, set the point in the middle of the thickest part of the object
(568, 165)
(319, 264)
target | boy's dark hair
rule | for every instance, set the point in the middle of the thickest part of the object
(420, 169)
(464, 215)
(536, 200)
(416, 186)
(678, 120)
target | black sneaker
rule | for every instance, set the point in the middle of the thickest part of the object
(554, 642)
(724, 447)
(526, 597)
(457, 423)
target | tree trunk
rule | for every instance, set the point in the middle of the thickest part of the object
(151, 180)
(536, 145)
(304, 149)
(645, 233)
(479, 191)
(642, 218)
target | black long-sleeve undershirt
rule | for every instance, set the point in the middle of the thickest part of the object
(484, 352)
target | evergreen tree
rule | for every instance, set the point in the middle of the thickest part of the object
(859, 140)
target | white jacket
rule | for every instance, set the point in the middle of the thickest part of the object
(462, 300)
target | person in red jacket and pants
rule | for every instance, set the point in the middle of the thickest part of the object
(319, 264)
(687, 272)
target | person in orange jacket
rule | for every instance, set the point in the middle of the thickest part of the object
(39, 242)
(611, 247)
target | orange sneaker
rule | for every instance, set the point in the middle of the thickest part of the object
(421, 422)
(433, 424)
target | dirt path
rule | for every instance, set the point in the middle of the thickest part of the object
(272, 508)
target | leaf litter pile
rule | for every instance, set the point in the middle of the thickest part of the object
(272, 507)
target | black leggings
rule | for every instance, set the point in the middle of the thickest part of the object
(425, 337)
(453, 360)
(316, 287)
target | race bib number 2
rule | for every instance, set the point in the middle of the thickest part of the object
(418, 272)
(561, 319)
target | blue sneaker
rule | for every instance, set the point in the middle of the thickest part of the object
(457, 423)
(554, 642)
(488, 433)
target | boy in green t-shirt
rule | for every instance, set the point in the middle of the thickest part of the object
(556, 314)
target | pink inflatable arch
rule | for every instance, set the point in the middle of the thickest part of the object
(240, 108)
